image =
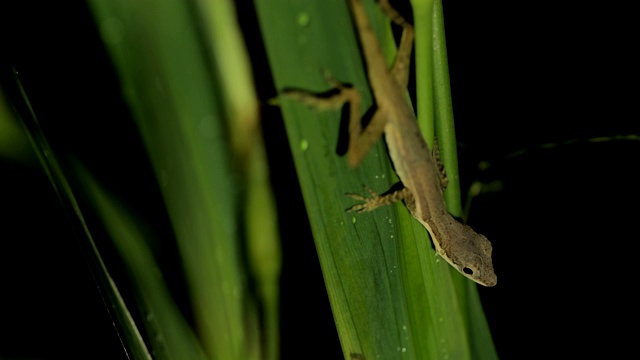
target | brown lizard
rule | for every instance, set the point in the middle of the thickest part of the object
(463, 248)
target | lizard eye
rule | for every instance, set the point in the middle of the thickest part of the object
(467, 270)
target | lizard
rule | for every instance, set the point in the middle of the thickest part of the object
(416, 167)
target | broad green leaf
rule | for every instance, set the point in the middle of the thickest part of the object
(391, 296)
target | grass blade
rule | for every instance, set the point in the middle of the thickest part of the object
(128, 332)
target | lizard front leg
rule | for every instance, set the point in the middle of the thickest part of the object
(376, 200)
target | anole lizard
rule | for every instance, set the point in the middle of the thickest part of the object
(463, 248)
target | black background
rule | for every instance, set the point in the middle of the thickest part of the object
(563, 224)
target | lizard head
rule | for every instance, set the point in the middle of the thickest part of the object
(470, 253)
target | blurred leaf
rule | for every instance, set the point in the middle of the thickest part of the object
(233, 68)
(14, 145)
(186, 107)
(169, 334)
(128, 332)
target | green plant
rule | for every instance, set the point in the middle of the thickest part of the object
(185, 77)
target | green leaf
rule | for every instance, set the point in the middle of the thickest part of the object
(170, 335)
(127, 329)
(186, 107)
(391, 296)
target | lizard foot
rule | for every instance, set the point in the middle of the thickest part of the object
(376, 200)
(368, 203)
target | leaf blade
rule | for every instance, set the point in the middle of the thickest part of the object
(374, 263)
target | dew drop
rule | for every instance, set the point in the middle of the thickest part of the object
(303, 19)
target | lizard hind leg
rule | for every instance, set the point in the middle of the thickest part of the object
(330, 100)
(360, 140)
(402, 62)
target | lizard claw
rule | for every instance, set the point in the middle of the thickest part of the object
(371, 191)
(357, 208)
(368, 203)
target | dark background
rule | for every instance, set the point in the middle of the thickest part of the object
(563, 224)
